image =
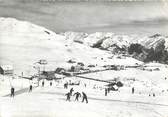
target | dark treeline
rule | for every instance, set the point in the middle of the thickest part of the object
(159, 54)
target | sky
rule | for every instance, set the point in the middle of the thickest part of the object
(118, 17)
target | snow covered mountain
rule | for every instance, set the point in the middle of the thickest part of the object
(23, 43)
(20, 33)
(108, 39)
(157, 44)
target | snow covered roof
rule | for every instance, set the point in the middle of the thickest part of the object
(154, 64)
(7, 67)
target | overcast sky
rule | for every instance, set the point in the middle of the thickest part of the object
(119, 17)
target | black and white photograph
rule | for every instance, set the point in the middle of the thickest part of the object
(83, 58)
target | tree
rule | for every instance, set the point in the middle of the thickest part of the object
(137, 48)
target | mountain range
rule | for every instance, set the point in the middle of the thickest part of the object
(23, 43)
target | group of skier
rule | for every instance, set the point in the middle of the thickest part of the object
(44, 83)
(77, 95)
(12, 94)
(133, 91)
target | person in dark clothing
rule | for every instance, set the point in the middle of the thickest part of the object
(153, 94)
(71, 90)
(43, 84)
(77, 96)
(50, 83)
(65, 85)
(12, 92)
(30, 88)
(85, 84)
(133, 90)
(108, 90)
(84, 97)
(105, 91)
(68, 96)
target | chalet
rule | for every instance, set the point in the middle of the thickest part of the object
(91, 65)
(114, 86)
(80, 63)
(77, 68)
(71, 61)
(60, 70)
(6, 70)
(49, 75)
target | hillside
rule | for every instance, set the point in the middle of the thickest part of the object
(108, 82)
(32, 43)
(144, 48)
(23, 43)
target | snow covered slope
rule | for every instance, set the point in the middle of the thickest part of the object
(23, 43)
(144, 48)
(109, 39)
(21, 33)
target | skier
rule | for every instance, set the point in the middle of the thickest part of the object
(71, 90)
(153, 94)
(68, 96)
(84, 97)
(108, 90)
(105, 91)
(85, 84)
(43, 84)
(77, 96)
(65, 85)
(50, 83)
(30, 88)
(12, 92)
(133, 90)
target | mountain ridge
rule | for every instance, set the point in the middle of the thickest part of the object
(32, 42)
(156, 44)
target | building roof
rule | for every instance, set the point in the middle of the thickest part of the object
(7, 67)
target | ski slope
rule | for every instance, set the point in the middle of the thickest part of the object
(28, 43)
(50, 102)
